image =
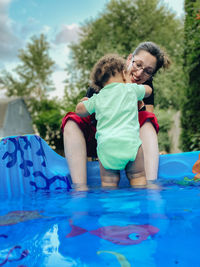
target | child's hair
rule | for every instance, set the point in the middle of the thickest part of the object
(107, 66)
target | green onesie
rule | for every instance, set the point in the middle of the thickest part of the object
(117, 123)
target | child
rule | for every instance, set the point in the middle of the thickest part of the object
(115, 106)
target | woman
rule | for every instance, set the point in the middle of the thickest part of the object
(79, 133)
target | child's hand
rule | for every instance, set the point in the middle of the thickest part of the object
(84, 99)
(140, 104)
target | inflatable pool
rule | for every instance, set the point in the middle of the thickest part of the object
(29, 164)
(44, 223)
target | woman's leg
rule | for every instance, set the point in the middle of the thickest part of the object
(109, 178)
(149, 139)
(135, 170)
(75, 153)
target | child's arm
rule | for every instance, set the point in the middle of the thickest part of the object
(86, 106)
(148, 90)
(81, 110)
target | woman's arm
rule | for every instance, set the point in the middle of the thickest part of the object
(149, 108)
(148, 92)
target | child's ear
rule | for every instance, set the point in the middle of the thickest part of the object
(129, 58)
(124, 75)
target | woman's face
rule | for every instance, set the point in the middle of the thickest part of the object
(141, 67)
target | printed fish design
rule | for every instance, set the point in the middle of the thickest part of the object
(196, 169)
(118, 234)
(18, 216)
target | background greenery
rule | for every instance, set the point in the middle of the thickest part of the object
(119, 28)
(190, 120)
(32, 80)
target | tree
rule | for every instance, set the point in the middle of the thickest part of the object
(32, 76)
(47, 117)
(190, 119)
(121, 26)
(32, 80)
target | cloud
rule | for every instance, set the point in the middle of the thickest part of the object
(60, 54)
(9, 42)
(46, 29)
(68, 33)
(58, 79)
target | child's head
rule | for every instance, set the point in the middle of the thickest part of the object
(108, 66)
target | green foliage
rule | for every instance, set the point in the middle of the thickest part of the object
(190, 119)
(47, 118)
(32, 76)
(121, 26)
(165, 122)
(169, 87)
(31, 80)
(73, 91)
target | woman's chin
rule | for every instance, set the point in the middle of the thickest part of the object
(135, 81)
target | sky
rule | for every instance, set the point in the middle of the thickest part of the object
(58, 20)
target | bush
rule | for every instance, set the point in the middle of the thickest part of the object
(165, 122)
(190, 119)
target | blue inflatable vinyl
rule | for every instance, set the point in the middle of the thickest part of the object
(27, 163)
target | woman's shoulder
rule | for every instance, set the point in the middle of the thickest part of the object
(150, 83)
(149, 100)
(90, 92)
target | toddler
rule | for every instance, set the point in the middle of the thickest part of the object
(116, 110)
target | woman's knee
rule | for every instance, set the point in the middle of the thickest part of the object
(70, 128)
(147, 129)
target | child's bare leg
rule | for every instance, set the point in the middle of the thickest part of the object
(135, 170)
(109, 178)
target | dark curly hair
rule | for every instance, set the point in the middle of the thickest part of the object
(162, 59)
(107, 66)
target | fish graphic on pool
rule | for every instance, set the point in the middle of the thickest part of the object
(116, 234)
(196, 169)
(18, 216)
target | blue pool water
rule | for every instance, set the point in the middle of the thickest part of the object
(122, 227)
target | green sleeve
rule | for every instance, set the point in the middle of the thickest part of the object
(90, 104)
(139, 90)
